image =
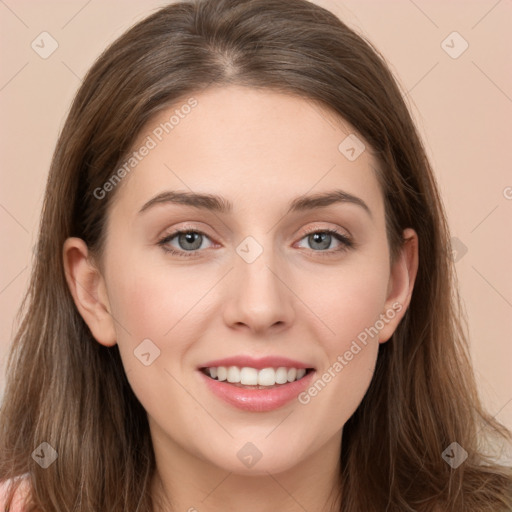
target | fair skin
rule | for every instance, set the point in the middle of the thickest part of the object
(259, 150)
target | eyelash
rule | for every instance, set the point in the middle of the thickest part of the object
(346, 242)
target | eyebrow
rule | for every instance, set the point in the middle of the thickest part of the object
(219, 204)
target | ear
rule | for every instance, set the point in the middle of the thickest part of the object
(401, 284)
(88, 289)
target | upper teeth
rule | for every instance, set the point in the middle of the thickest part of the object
(251, 376)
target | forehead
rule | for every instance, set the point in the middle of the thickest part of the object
(253, 146)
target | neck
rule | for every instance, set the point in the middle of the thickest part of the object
(184, 482)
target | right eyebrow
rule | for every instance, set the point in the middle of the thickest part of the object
(204, 201)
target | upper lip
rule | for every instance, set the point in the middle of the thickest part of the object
(258, 363)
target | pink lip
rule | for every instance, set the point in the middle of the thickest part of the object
(257, 400)
(259, 364)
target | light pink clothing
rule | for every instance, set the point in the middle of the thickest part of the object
(19, 496)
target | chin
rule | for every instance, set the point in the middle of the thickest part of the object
(257, 458)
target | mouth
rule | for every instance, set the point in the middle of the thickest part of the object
(256, 385)
(253, 378)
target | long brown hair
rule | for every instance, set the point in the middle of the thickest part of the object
(66, 389)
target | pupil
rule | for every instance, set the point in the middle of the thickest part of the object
(190, 238)
(320, 237)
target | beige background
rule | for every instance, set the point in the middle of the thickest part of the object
(462, 106)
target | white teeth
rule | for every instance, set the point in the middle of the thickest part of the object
(282, 375)
(267, 377)
(251, 376)
(248, 376)
(233, 374)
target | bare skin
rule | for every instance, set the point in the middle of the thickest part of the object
(259, 150)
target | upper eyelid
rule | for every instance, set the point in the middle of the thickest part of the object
(309, 230)
(337, 229)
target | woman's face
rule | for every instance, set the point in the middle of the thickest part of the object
(259, 278)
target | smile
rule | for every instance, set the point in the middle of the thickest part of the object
(269, 396)
(248, 377)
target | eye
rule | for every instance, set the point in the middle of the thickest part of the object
(320, 239)
(188, 240)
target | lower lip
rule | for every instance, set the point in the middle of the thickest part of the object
(258, 400)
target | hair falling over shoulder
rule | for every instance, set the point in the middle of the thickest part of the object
(65, 389)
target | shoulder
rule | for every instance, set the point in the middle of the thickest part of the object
(17, 504)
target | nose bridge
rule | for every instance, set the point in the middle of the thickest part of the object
(258, 296)
(256, 267)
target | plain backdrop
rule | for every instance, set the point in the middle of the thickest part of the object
(458, 87)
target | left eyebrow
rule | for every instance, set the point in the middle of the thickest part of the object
(324, 199)
(219, 204)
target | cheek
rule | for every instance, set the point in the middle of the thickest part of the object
(141, 305)
(150, 317)
(150, 301)
(350, 357)
(349, 301)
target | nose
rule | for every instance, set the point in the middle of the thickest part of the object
(258, 296)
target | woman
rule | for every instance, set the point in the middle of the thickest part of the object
(306, 351)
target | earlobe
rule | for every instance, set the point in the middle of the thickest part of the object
(401, 283)
(87, 287)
